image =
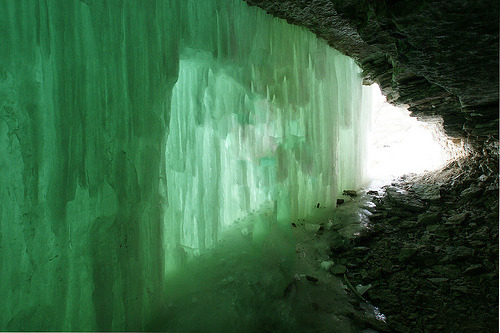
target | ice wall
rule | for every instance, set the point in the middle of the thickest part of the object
(264, 115)
(110, 171)
(84, 87)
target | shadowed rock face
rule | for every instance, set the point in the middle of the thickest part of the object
(439, 57)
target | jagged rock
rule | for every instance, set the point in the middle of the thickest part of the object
(493, 216)
(429, 218)
(427, 192)
(441, 253)
(338, 246)
(409, 224)
(481, 234)
(472, 192)
(458, 218)
(407, 252)
(426, 258)
(462, 289)
(413, 52)
(350, 193)
(326, 265)
(376, 216)
(438, 280)
(443, 232)
(493, 187)
(360, 249)
(386, 296)
(474, 269)
(311, 278)
(361, 289)
(432, 227)
(338, 269)
(450, 271)
(461, 252)
(311, 227)
(404, 199)
(476, 243)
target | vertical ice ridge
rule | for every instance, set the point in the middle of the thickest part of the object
(280, 114)
(82, 92)
(133, 133)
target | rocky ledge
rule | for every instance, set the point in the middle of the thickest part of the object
(440, 57)
(429, 257)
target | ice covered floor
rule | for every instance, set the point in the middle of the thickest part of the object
(262, 278)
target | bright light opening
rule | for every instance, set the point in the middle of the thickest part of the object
(400, 144)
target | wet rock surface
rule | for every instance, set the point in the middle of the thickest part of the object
(440, 57)
(431, 264)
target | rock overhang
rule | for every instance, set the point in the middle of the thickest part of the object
(438, 57)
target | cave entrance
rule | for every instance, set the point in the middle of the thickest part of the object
(400, 144)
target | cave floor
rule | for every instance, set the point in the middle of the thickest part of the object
(276, 280)
(430, 252)
(419, 255)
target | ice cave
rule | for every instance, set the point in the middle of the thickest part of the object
(233, 166)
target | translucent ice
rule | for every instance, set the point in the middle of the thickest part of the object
(263, 115)
(133, 133)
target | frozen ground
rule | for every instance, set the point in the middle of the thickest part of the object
(262, 278)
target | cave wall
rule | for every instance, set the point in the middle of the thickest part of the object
(438, 57)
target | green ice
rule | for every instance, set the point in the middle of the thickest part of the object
(134, 133)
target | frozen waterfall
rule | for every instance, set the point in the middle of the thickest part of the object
(133, 134)
(262, 117)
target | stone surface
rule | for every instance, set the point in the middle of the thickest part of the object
(429, 218)
(338, 270)
(415, 267)
(405, 200)
(350, 193)
(471, 192)
(474, 269)
(458, 218)
(326, 265)
(428, 192)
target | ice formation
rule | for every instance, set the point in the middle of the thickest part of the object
(133, 133)
(268, 116)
